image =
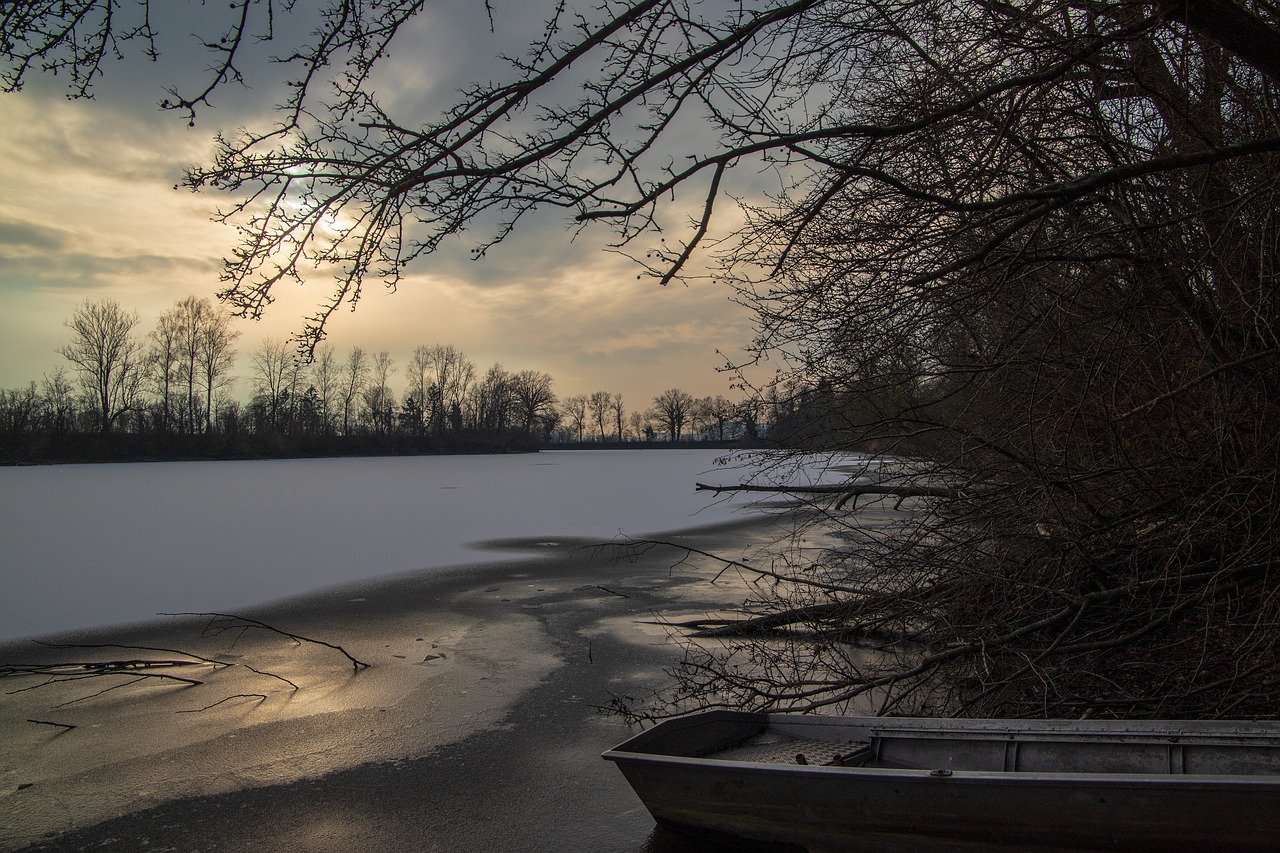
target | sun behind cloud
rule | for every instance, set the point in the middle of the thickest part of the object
(88, 210)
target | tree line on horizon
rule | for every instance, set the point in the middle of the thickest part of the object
(174, 385)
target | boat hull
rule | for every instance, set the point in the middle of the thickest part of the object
(818, 808)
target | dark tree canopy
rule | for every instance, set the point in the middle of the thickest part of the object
(826, 95)
(1032, 247)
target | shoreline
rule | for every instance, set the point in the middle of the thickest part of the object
(135, 448)
(483, 690)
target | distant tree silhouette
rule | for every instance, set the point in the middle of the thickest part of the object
(107, 358)
(355, 374)
(534, 398)
(599, 404)
(575, 410)
(673, 408)
(619, 414)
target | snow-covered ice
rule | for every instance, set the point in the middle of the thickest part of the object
(86, 545)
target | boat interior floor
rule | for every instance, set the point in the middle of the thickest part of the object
(773, 748)
(1150, 755)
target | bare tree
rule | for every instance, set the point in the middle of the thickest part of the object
(163, 364)
(214, 353)
(108, 359)
(276, 370)
(673, 408)
(619, 414)
(492, 400)
(748, 411)
(191, 352)
(600, 404)
(355, 373)
(379, 400)
(575, 409)
(719, 412)
(19, 409)
(326, 373)
(448, 374)
(700, 416)
(1083, 382)
(59, 401)
(535, 400)
(187, 318)
(640, 427)
(420, 396)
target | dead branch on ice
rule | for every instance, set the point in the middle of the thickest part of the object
(843, 489)
(66, 726)
(261, 697)
(75, 671)
(220, 622)
(138, 669)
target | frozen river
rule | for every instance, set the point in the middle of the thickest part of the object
(87, 545)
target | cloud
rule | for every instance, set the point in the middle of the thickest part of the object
(27, 239)
(92, 274)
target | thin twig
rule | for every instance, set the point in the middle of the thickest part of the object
(246, 622)
(261, 697)
(67, 726)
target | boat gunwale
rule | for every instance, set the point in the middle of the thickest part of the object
(646, 746)
(1199, 731)
(955, 776)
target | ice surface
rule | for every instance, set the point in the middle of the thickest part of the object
(86, 545)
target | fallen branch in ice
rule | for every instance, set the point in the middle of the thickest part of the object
(86, 698)
(220, 622)
(261, 697)
(138, 669)
(256, 671)
(794, 577)
(846, 492)
(183, 652)
(811, 617)
(67, 726)
(844, 489)
(75, 671)
(691, 624)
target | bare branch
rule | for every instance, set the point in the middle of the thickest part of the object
(220, 622)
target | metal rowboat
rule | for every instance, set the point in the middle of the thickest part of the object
(814, 783)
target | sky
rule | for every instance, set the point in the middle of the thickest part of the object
(88, 210)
